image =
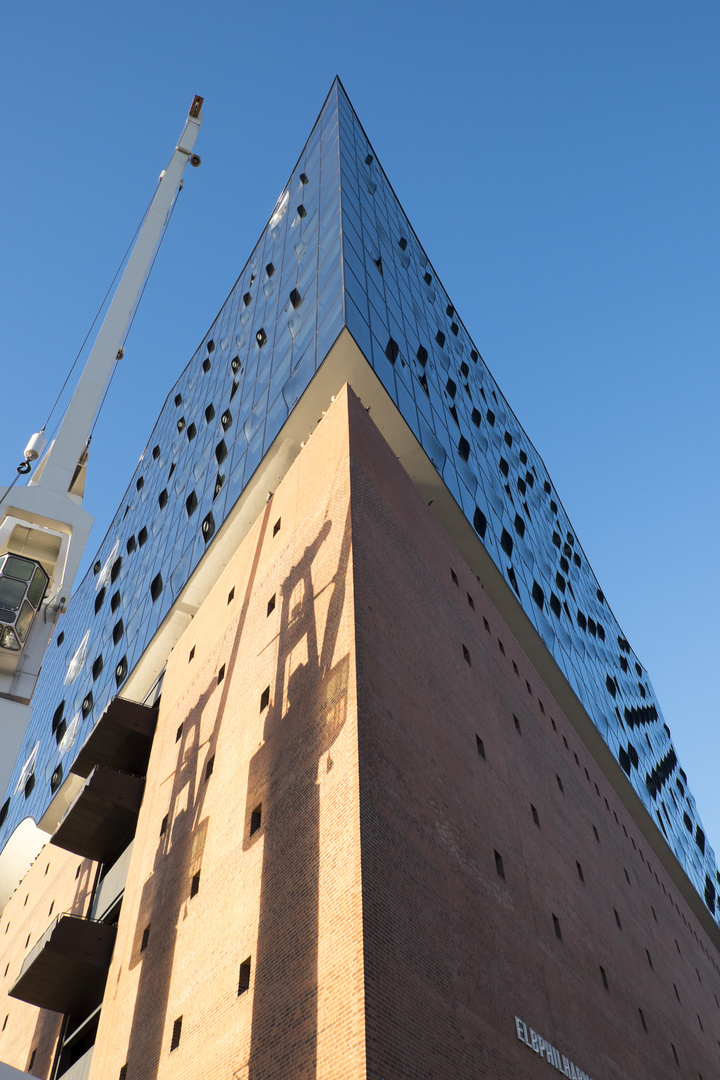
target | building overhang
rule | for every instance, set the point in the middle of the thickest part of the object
(121, 739)
(67, 969)
(101, 820)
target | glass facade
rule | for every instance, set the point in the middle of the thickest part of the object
(339, 251)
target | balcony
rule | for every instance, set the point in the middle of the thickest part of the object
(121, 739)
(67, 969)
(100, 822)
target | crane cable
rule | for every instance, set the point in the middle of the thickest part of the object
(121, 350)
(24, 467)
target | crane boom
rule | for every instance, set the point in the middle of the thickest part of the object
(43, 526)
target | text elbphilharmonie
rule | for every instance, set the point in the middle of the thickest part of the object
(547, 1050)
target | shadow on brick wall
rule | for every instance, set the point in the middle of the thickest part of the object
(305, 716)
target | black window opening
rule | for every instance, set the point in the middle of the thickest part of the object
(256, 819)
(244, 978)
(176, 1033)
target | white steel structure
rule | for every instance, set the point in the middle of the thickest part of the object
(43, 526)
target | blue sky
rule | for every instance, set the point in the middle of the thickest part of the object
(559, 162)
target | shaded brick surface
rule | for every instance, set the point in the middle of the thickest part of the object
(56, 882)
(399, 903)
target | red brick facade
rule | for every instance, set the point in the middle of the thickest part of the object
(370, 839)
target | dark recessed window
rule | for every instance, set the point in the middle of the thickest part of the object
(57, 717)
(209, 413)
(208, 528)
(499, 865)
(145, 938)
(677, 1059)
(191, 504)
(269, 269)
(642, 1020)
(466, 654)
(256, 819)
(176, 1033)
(536, 819)
(60, 638)
(244, 980)
(265, 699)
(156, 586)
(178, 400)
(295, 298)
(191, 654)
(464, 448)
(226, 420)
(649, 958)
(235, 365)
(271, 604)
(479, 522)
(131, 545)
(556, 924)
(163, 498)
(422, 355)
(86, 707)
(191, 432)
(506, 542)
(221, 674)
(604, 977)
(276, 527)
(221, 452)
(195, 885)
(392, 350)
(517, 724)
(231, 595)
(99, 600)
(164, 825)
(538, 595)
(261, 337)
(480, 746)
(617, 919)
(559, 782)
(178, 733)
(139, 484)
(97, 668)
(206, 365)
(219, 481)
(580, 871)
(470, 601)
(142, 536)
(209, 767)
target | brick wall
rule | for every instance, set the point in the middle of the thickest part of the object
(460, 882)
(279, 728)
(56, 882)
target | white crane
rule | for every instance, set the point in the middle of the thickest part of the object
(43, 526)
